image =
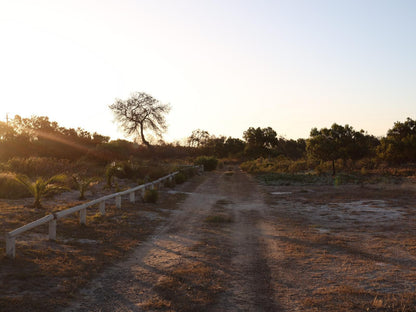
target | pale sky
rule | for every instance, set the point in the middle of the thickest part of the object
(224, 66)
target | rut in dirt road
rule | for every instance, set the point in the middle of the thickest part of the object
(208, 256)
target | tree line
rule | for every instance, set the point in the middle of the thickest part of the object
(141, 113)
(38, 136)
(326, 144)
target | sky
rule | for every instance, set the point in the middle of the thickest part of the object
(223, 66)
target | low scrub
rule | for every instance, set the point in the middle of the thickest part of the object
(277, 165)
(180, 178)
(169, 183)
(294, 179)
(135, 169)
(10, 188)
(188, 171)
(42, 187)
(209, 162)
(38, 166)
(151, 196)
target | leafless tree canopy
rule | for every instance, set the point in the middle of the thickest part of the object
(139, 113)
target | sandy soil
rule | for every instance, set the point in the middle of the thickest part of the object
(235, 245)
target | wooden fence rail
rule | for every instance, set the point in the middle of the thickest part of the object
(53, 218)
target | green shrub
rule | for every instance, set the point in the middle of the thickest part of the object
(150, 196)
(210, 163)
(82, 184)
(180, 178)
(188, 171)
(10, 188)
(110, 172)
(42, 187)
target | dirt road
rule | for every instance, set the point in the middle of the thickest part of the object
(236, 246)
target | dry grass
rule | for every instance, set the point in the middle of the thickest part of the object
(188, 287)
(351, 248)
(196, 282)
(45, 275)
(218, 218)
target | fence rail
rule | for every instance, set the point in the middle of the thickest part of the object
(53, 218)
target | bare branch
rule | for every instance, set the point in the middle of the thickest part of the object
(139, 113)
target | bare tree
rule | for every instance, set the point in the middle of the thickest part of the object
(139, 113)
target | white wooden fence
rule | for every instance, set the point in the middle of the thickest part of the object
(53, 218)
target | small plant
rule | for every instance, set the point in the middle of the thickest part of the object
(180, 178)
(112, 170)
(82, 184)
(41, 188)
(210, 163)
(150, 196)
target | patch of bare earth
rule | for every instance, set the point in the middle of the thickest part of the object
(347, 248)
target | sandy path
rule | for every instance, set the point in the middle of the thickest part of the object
(190, 264)
(233, 245)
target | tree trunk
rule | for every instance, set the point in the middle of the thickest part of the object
(333, 167)
(142, 136)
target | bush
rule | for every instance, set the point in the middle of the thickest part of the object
(169, 184)
(43, 187)
(150, 196)
(298, 166)
(188, 171)
(134, 170)
(111, 171)
(38, 166)
(210, 163)
(180, 178)
(10, 188)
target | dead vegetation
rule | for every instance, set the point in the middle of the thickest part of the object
(46, 274)
(351, 248)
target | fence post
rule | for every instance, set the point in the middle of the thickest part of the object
(118, 201)
(52, 229)
(143, 192)
(10, 246)
(83, 216)
(102, 207)
(132, 197)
